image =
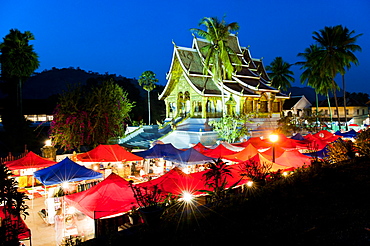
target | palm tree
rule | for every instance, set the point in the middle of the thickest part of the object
(312, 77)
(280, 74)
(18, 62)
(335, 54)
(220, 60)
(348, 46)
(148, 81)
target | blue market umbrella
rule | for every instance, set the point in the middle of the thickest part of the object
(65, 171)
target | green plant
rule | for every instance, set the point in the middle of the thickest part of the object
(231, 128)
(340, 150)
(257, 171)
(147, 197)
(72, 241)
(13, 204)
(216, 179)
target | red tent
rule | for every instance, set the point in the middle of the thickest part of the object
(23, 231)
(269, 152)
(31, 160)
(175, 182)
(267, 159)
(108, 153)
(111, 196)
(200, 147)
(218, 152)
(256, 141)
(236, 176)
(291, 158)
(243, 155)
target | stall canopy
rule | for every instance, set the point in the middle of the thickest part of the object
(110, 197)
(175, 182)
(31, 160)
(262, 159)
(350, 134)
(256, 142)
(199, 147)
(65, 171)
(17, 223)
(236, 177)
(189, 157)
(293, 158)
(108, 153)
(248, 152)
(159, 151)
(218, 152)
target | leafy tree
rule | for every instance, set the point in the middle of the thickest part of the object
(359, 96)
(148, 81)
(18, 61)
(230, 128)
(219, 58)
(280, 74)
(90, 116)
(13, 203)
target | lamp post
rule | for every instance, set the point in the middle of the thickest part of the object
(273, 139)
(48, 151)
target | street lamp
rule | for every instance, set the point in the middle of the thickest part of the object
(273, 139)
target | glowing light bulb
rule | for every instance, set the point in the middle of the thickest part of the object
(250, 183)
(187, 197)
(273, 138)
(48, 142)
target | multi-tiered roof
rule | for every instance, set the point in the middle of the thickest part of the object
(250, 81)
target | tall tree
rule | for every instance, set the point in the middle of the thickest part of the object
(148, 81)
(335, 54)
(280, 74)
(90, 116)
(312, 77)
(18, 62)
(220, 60)
(347, 42)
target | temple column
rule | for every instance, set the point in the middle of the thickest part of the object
(204, 107)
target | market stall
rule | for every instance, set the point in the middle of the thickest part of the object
(24, 168)
(59, 178)
(111, 197)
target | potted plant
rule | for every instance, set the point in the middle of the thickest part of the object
(149, 200)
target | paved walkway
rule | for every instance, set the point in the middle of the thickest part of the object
(41, 233)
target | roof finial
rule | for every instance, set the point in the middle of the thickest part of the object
(173, 42)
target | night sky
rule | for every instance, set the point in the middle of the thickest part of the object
(129, 37)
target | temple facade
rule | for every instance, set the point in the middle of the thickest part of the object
(191, 93)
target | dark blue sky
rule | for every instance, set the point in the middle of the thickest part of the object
(130, 37)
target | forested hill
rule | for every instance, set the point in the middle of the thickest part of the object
(50, 82)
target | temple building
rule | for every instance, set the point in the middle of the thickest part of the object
(191, 93)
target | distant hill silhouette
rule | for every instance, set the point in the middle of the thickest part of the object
(51, 82)
(43, 88)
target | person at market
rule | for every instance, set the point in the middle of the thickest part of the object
(58, 223)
